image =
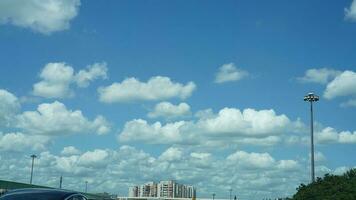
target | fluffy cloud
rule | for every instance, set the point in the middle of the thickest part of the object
(21, 142)
(254, 174)
(171, 154)
(338, 83)
(343, 85)
(156, 88)
(56, 80)
(70, 150)
(229, 72)
(55, 119)
(169, 111)
(44, 16)
(321, 76)
(330, 135)
(350, 13)
(140, 130)
(95, 71)
(96, 158)
(249, 126)
(252, 160)
(58, 77)
(9, 106)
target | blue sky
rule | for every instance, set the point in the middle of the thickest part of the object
(208, 93)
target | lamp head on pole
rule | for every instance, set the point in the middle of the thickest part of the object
(33, 156)
(311, 97)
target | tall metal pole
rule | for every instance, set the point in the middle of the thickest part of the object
(312, 142)
(86, 186)
(213, 196)
(33, 156)
(311, 98)
(60, 182)
(230, 193)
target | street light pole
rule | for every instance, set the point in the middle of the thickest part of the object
(33, 156)
(230, 193)
(311, 98)
(213, 196)
(86, 186)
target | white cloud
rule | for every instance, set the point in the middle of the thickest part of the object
(343, 85)
(171, 154)
(55, 119)
(140, 130)
(321, 76)
(330, 135)
(9, 106)
(96, 158)
(44, 16)
(249, 122)
(58, 77)
(350, 13)
(95, 71)
(252, 160)
(169, 111)
(156, 88)
(21, 142)
(69, 151)
(249, 127)
(250, 173)
(229, 72)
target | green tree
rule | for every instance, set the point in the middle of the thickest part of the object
(331, 187)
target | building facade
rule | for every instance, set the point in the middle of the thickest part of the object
(168, 189)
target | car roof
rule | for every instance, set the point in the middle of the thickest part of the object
(57, 192)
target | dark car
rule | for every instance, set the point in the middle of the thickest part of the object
(42, 194)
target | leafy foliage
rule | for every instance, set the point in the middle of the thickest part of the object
(331, 187)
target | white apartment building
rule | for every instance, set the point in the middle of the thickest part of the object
(169, 189)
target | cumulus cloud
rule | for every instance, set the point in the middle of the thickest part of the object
(171, 154)
(229, 72)
(22, 142)
(96, 158)
(95, 71)
(156, 88)
(41, 16)
(252, 160)
(70, 150)
(321, 76)
(248, 122)
(57, 79)
(350, 13)
(330, 135)
(55, 119)
(46, 16)
(169, 110)
(257, 174)
(343, 85)
(250, 127)
(338, 83)
(9, 106)
(141, 130)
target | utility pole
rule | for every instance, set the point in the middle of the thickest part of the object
(60, 182)
(311, 97)
(213, 196)
(86, 186)
(230, 192)
(33, 156)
